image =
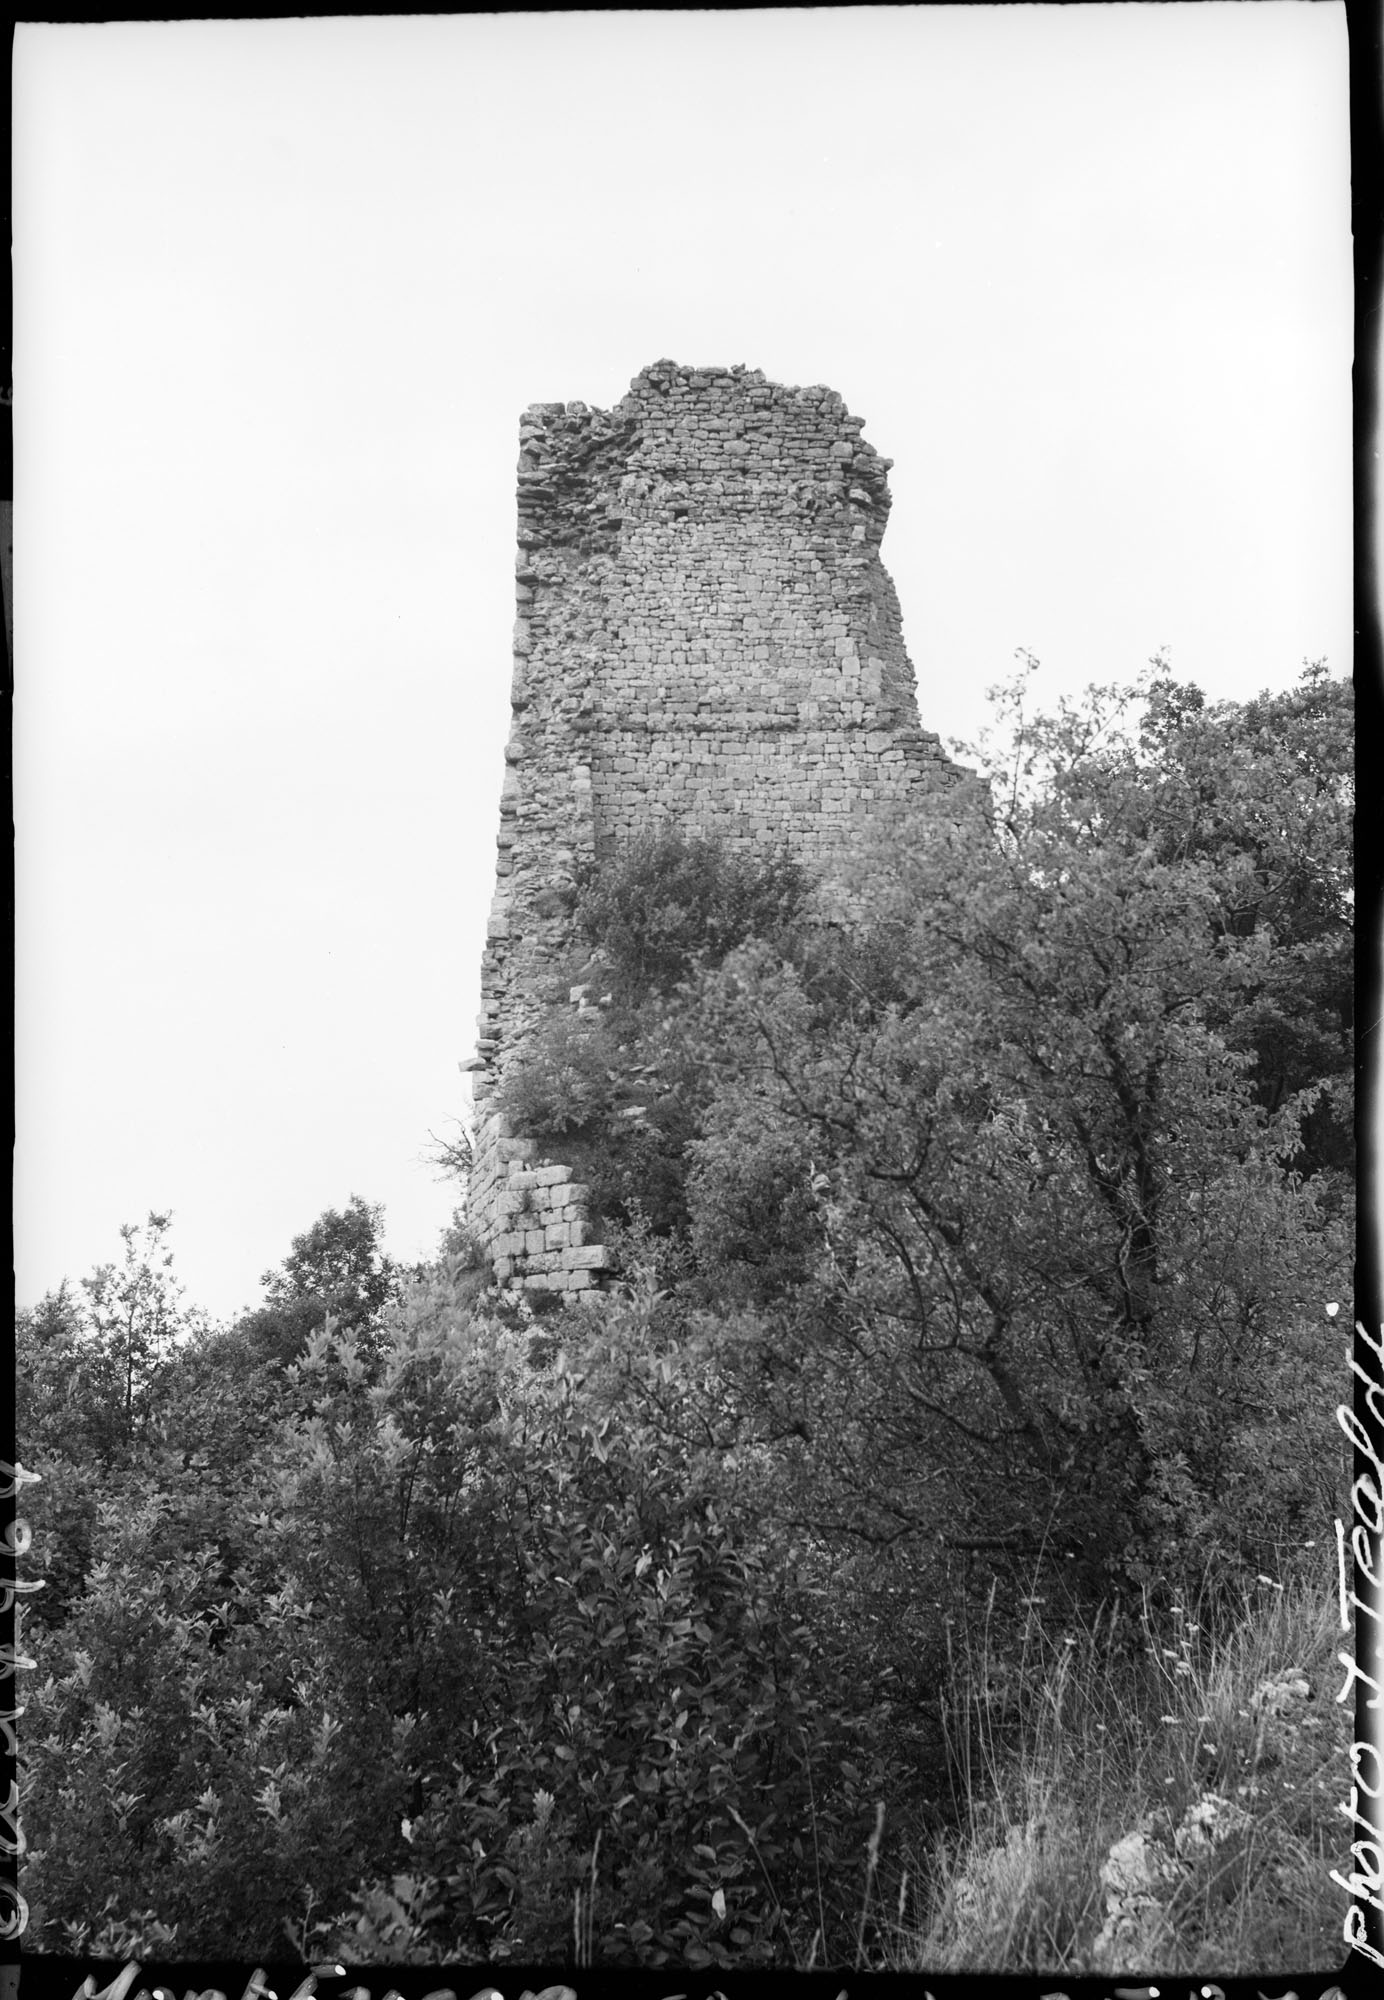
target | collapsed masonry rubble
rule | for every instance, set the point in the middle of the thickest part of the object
(706, 636)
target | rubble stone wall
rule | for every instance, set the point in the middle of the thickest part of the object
(705, 635)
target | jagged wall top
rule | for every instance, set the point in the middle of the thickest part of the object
(709, 442)
(714, 540)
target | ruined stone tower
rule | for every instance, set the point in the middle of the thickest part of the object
(705, 635)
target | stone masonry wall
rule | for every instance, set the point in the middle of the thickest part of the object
(705, 634)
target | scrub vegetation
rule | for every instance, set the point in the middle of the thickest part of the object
(920, 1557)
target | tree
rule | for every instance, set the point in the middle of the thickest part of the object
(1265, 790)
(612, 1081)
(494, 1632)
(94, 1369)
(65, 1386)
(1020, 1251)
(526, 1585)
(668, 902)
(67, 1431)
(336, 1270)
(339, 1260)
(134, 1316)
(994, 1235)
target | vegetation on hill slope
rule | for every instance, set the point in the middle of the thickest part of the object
(958, 1446)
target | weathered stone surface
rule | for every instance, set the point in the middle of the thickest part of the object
(705, 635)
(590, 1257)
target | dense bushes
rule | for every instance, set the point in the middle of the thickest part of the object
(670, 903)
(492, 1615)
(981, 1213)
(619, 1083)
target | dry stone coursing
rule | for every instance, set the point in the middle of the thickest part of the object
(704, 635)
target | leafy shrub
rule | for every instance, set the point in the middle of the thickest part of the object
(565, 1080)
(415, 1632)
(669, 901)
(750, 1193)
(623, 1096)
(62, 1515)
(617, 1084)
(164, 1775)
(607, 1686)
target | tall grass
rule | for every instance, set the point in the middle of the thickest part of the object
(1142, 1793)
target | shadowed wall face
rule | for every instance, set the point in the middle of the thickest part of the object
(705, 635)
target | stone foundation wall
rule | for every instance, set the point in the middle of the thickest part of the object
(705, 635)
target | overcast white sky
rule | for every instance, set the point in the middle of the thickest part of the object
(283, 290)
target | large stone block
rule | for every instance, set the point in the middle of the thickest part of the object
(591, 1257)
